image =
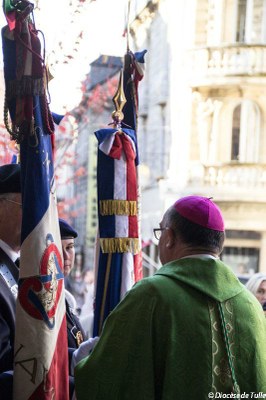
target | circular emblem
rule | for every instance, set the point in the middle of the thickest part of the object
(39, 295)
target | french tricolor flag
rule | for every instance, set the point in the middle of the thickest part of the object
(118, 256)
(118, 219)
(41, 351)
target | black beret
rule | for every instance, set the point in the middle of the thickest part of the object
(10, 178)
(66, 231)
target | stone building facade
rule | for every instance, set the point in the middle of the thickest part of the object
(202, 115)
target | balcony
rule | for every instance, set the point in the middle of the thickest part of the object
(230, 180)
(236, 175)
(234, 60)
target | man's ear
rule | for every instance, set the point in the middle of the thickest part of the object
(170, 238)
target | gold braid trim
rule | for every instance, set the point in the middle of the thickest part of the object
(118, 207)
(8, 128)
(120, 245)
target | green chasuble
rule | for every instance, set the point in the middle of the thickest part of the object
(165, 340)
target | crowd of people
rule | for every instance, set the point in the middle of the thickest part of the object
(189, 331)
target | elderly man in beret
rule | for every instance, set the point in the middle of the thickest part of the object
(10, 228)
(190, 331)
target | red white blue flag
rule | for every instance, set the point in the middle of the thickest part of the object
(41, 351)
(119, 258)
(118, 219)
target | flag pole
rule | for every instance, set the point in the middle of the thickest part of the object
(128, 13)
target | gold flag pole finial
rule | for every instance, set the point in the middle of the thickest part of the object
(119, 101)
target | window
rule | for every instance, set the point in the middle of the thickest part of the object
(235, 146)
(246, 25)
(242, 251)
(241, 20)
(243, 261)
(263, 23)
(245, 133)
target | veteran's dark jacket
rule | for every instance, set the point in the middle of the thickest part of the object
(73, 327)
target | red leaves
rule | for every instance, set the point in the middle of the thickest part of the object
(7, 147)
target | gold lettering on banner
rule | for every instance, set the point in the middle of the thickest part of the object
(118, 207)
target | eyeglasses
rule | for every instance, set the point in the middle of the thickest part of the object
(158, 232)
(12, 201)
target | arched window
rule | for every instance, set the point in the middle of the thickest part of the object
(245, 132)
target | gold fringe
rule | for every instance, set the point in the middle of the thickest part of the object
(120, 245)
(118, 207)
(27, 86)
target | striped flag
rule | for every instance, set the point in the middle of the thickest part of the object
(119, 263)
(41, 351)
(118, 220)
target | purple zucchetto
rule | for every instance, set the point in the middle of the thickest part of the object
(201, 211)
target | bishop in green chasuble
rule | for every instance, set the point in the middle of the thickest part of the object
(189, 332)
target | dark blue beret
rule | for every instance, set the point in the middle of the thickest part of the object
(10, 178)
(66, 231)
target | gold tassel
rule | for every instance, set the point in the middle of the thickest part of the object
(118, 207)
(120, 245)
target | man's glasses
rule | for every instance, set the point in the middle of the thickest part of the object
(158, 232)
(12, 201)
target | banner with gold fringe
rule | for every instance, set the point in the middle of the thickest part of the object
(119, 261)
(41, 353)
